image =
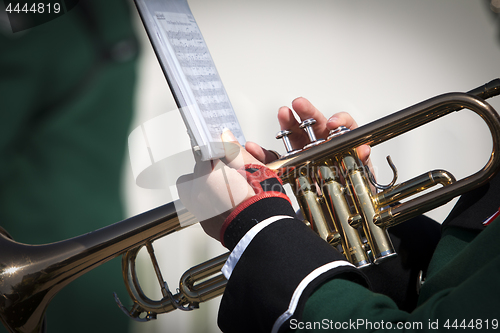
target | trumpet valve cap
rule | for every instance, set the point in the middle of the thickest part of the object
(307, 122)
(338, 131)
(286, 141)
(306, 125)
(283, 133)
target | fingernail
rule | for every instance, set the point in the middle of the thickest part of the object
(227, 136)
(333, 119)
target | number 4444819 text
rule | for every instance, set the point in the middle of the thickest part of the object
(35, 8)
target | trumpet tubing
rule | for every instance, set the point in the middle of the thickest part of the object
(30, 275)
(333, 188)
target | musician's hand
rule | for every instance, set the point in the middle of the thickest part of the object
(299, 138)
(215, 188)
(323, 126)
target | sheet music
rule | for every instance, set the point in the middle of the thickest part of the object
(191, 73)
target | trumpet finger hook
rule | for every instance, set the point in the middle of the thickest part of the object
(394, 177)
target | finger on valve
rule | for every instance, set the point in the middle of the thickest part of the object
(304, 110)
(345, 119)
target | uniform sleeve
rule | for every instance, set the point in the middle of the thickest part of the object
(283, 277)
(275, 264)
(341, 305)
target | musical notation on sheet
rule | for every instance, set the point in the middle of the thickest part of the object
(207, 101)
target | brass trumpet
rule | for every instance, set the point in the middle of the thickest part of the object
(355, 218)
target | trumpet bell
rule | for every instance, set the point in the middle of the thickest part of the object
(31, 275)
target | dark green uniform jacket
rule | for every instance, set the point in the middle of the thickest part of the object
(461, 292)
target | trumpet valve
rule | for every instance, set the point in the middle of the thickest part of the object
(306, 125)
(338, 131)
(286, 141)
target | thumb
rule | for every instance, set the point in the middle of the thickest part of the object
(236, 156)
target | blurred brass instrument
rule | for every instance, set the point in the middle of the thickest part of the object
(355, 218)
